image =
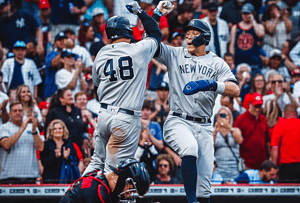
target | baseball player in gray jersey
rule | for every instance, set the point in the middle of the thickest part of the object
(120, 73)
(196, 77)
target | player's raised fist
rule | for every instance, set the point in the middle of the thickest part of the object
(165, 7)
(134, 8)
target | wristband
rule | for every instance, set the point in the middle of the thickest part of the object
(157, 11)
(220, 87)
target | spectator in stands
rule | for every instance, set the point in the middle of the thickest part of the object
(258, 85)
(58, 148)
(11, 97)
(273, 115)
(31, 53)
(275, 63)
(4, 117)
(87, 116)
(245, 37)
(71, 75)
(96, 46)
(229, 103)
(216, 178)
(53, 64)
(255, 147)
(293, 8)
(243, 73)
(19, 141)
(227, 140)
(285, 145)
(281, 94)
(177, 22)
(97, 21)
(219, 31)
(16, 25)
(231, 12)
(287, 46)
(86, 36)
(44, 14)
(295, 54)
(44, 108)
(91, 6)
(295, 77)
(177, 39)
(20, 70)
(267, 173)
(229, 59)
(65, 14)
(278, 28)
(161, 104)
(62, 107)
(165, 166)
(82, 52)
(30, 107)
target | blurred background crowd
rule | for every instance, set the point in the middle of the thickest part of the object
(49, 107)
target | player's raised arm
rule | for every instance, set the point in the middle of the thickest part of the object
(149, 23)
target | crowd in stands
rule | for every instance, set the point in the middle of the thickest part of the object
(48, 105)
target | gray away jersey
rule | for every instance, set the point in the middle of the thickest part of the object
(183, 68)
(120, 72)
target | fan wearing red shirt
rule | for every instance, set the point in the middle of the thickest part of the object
(255, 147)
(286, 143)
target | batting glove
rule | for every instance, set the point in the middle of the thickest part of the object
(164, 8)
(134, 8)
(200, 85)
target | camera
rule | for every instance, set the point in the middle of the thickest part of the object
(222, 115)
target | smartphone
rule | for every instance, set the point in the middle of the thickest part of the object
(222, 115)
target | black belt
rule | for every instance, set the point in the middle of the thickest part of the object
(130, 112)
(191, 118)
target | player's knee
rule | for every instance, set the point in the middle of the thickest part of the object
(191, 150)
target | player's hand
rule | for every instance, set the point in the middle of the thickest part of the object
(165, 7)
(134, 8)
(200, 85)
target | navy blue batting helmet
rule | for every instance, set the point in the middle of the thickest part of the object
(201, 26)
(117, 27)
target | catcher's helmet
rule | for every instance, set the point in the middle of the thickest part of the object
(138, 172)
(117, 27)
(201, 26)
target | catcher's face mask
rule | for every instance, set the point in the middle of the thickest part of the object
(127, 195)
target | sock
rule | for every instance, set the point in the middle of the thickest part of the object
(189, 177)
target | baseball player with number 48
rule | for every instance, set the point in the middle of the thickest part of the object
(196, 78)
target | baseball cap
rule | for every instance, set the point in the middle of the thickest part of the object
(163, 85)
(60, 35)
(44, 4)
(4, 2)
(20, 44)
(88, 76)
(247, 8)
(296, 72)
(66, 53)
(257, 99)
(275, 52)
(212, 6)
(97, 11)
(175, 34)
(43, 105)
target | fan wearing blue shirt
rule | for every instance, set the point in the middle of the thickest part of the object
(267, 174)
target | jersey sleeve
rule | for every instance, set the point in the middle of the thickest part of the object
(225, 73)
(5, 71)
(166, 53)
(150, 44)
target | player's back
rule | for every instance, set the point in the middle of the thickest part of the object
(120, 72)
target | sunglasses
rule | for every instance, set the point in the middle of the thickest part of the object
(258, 106)
(163, 165)
(279, 81)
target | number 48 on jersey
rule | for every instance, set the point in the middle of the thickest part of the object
(125, 69)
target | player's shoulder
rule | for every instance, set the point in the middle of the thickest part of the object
(215, 58)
